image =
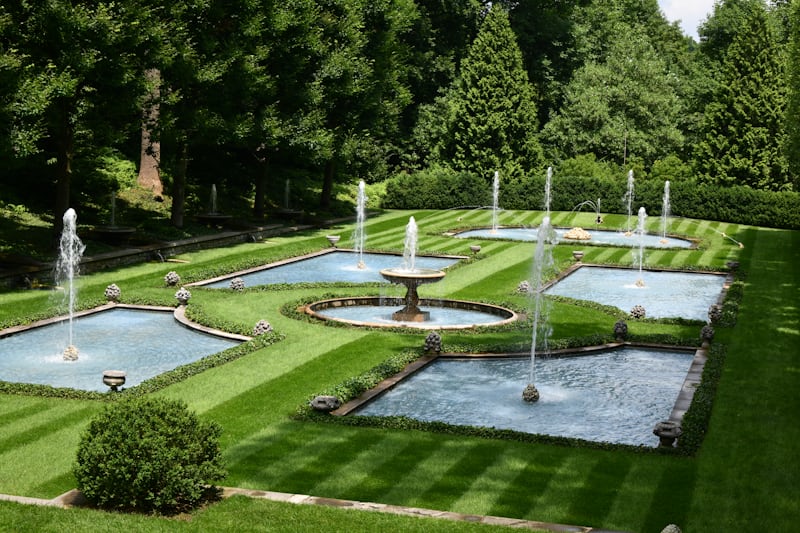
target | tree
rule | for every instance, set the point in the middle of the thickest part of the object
(491, 122)
(621, 106)
(792, 119)
(74, 84)
(361, 84)
(743, 124)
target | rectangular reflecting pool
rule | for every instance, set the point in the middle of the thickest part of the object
(616, 396)
(663, 294)
(141, 343)
(338, 266)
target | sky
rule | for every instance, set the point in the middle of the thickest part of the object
(690, 12)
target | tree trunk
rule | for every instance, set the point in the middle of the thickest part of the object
(150, 153)
(179, 185)
(65, 146)
(327, 184)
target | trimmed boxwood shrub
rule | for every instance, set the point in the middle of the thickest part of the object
(148, 455)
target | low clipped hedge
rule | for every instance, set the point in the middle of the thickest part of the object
(148, 455)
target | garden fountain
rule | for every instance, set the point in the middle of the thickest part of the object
(372, 310)
(359, 237)
(69, 259)
(495, 200)
(542, 263)
(628, 199)
(411, 277)
(213, 216)
(665, 209)
(112, 233)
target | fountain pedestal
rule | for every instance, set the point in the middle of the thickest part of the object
(411, 279)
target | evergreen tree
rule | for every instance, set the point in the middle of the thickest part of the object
(793, 100)
(743, 124)
(624, 105)
(492, 121)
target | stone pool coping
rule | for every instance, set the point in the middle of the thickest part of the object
(685, 396)
(74, 498)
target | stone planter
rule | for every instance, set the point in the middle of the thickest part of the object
(475, 248)
(578, 255)
(333, 239)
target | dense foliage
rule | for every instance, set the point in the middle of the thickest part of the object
(246, 95)
(148, 455)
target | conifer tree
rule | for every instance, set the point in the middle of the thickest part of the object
(793, 100)
(743, 124)
(492, 107)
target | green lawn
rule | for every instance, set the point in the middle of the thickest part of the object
(744, 478)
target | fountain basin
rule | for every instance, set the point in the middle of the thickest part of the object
(142, 343)
(328, 266)
(411, 278)
(596, 236)
(610, 396)
(663, 294)
(375, 311)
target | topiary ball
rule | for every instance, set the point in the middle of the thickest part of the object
(148, 455)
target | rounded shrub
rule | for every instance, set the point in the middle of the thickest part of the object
(148, 455)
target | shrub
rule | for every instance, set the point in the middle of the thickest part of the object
(148, 455)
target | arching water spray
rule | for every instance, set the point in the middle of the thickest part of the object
(69, 258)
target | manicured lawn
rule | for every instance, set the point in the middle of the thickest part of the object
(744, 478)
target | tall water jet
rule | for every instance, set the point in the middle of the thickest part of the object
(638, 255)
(547, 183)
(542, 263)
(628, 199)
(665, 208)
(410, 245)
(212, 204)
(69, 258)
(495, 199)
(360, 237)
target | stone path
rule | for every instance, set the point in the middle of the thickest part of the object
(74, 498)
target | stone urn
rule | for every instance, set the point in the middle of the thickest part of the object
(183, 296)
(475, 248)
(667, 432)
(114, 378)
(333, 239)
(578, 255)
